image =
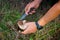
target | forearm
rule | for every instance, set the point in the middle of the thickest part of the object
(50, 15)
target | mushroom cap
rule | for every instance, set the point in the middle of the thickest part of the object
(21, 24)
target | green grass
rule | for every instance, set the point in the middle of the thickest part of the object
(9, 14)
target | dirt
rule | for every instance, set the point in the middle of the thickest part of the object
(20, 5)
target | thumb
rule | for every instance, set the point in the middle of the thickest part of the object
(27, 12)
(26, 30)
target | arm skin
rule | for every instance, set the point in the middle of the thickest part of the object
(50, 15)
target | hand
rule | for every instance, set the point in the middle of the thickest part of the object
(33, 4)
(30, 29)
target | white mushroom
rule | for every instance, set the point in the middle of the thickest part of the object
(23, 26)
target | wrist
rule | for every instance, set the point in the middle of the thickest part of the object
(41, 22)
(38, 26)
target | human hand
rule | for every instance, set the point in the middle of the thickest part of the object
(31, 28)
(33, 4)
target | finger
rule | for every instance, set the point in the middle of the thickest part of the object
(27, 12)
(26, 9)
(25, 32)
(32, 12)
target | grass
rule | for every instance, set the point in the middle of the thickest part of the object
(12, 14)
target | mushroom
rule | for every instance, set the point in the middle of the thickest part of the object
(21, 24)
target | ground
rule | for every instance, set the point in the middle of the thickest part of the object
(11, 11)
